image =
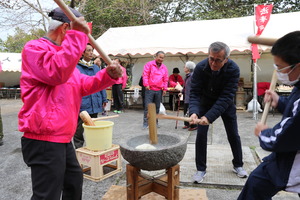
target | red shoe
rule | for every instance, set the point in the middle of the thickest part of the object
(192, 129)
(185, 127)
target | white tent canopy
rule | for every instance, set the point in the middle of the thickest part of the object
(190, 40)
(11, 69)
(11, 62)
(180, 40)
(192, 37)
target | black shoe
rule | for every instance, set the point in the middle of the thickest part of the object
(1, 142)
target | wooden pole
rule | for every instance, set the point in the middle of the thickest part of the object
(152, 123)
(261, 40)
(268, 104)
(92, 41)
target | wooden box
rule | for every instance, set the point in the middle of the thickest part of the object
(99, 165)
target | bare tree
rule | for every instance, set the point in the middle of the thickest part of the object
(25, 14)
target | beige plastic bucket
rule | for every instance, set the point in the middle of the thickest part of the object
(98, 137)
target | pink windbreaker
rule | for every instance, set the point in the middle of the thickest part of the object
(124, 78)
(52, 87)
(155, 77)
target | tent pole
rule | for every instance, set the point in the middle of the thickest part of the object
(255, 103)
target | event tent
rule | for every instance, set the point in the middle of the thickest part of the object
(181, 41)
(189, 40)
(11, 69)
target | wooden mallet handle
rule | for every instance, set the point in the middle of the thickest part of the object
(86, 118)
(160, 116)
(261, 40)
(92, 41)
(152, 123)
(106, 117)
(268, 104)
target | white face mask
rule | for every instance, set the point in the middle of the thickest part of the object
(284, 78)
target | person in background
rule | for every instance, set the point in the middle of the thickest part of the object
(213, 88)
(281, 169)
(98, 62)
(155, 80)
(143, 91)
(51, 90)
(174, 79)
(188, 69)
(101, 65)
(1, 130)
(117, 90)
(261, 89)
(1, 124)
(93, 103)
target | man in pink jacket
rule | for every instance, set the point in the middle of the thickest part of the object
(117, 90)
(52, 88)
(155, 80)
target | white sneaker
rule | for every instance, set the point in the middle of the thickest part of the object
(240, 172)
(145, 127)
(199, 176)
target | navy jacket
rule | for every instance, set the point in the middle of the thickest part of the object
(187, 87)
(212, 94)
(92, 103)
(283, 164)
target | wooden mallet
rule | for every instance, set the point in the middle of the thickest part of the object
(87, 120)
(152, 116)
(152, 123)
(92, 41)
(268, 42)
(261, 40)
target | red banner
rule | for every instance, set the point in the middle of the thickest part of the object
(262, 17)
(90, 24)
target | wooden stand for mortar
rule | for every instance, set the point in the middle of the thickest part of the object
(139, 184)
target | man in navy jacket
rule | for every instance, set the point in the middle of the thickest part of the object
(93, 103)
(213, 88)
(281, 169)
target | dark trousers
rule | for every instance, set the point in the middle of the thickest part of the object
(151, 96)
(186, 114)
(55, 171)
(173, 101)
(259, 186)
(230, 122)
(1, 126)
(118, 96)
(171, 96)
(78, 138)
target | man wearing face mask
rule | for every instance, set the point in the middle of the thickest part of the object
(281, 169)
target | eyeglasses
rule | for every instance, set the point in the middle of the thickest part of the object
(279, 70)
(211, 59)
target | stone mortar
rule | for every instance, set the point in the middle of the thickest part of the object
(169, 151)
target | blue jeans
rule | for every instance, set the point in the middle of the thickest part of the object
(151, 96)
(230, 122)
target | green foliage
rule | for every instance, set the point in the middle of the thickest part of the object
(217, 9)
(173, 11)
(120, 13)
(16, 42)
(115, 13)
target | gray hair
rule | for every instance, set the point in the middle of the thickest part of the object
(190, 65)
(54, 24)
(159, 52)
(219, 46)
